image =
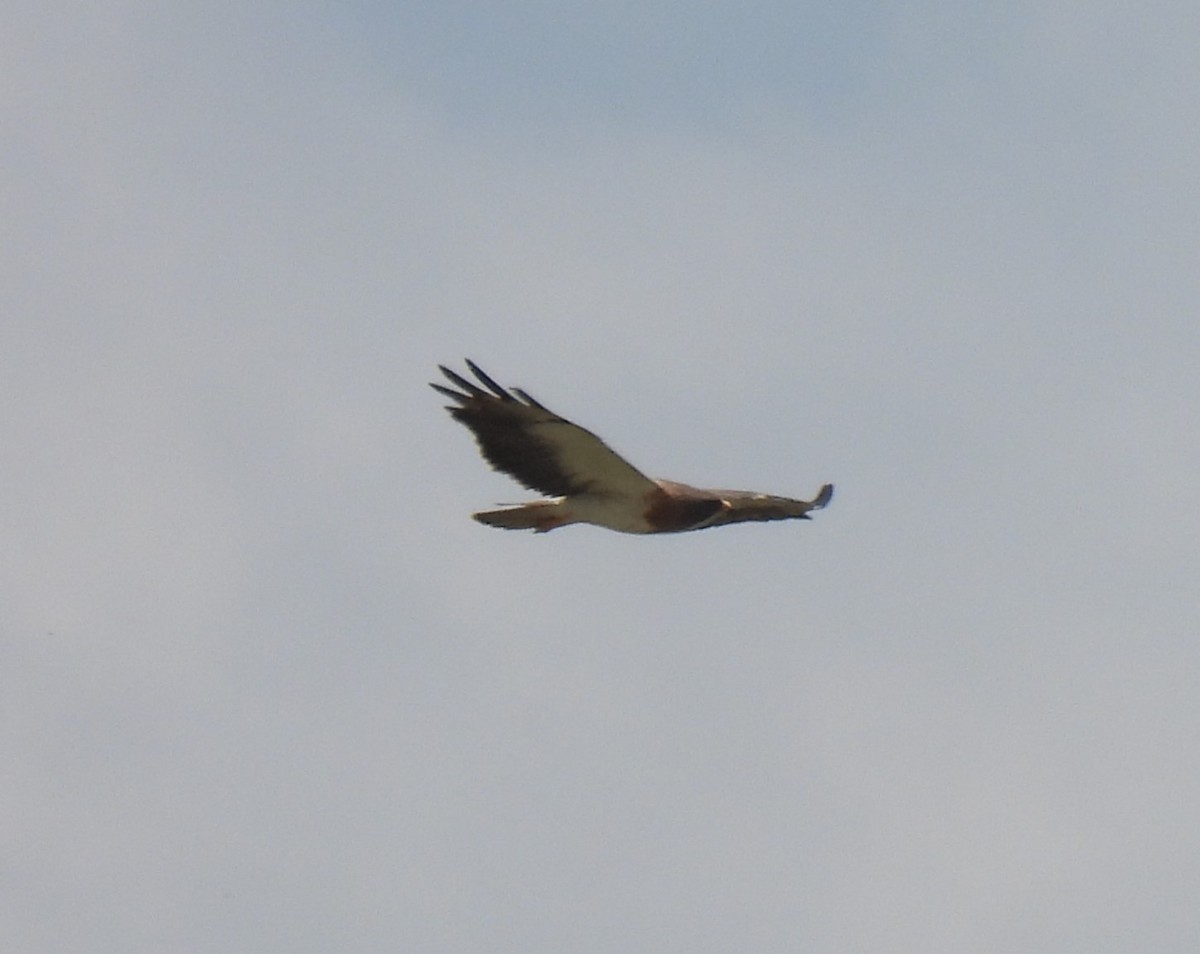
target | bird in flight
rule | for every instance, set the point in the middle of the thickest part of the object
(586, 480)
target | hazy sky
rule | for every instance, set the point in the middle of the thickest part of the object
(266, 687)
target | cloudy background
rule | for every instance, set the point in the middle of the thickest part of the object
(264, 686)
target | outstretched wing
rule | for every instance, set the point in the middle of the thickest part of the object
(742, 505)
(526, 440)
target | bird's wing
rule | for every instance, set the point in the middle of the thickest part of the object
(523, 438)
(745, 505)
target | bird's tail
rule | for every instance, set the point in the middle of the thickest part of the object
(539, 516)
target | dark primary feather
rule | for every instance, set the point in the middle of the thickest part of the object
(500, 392)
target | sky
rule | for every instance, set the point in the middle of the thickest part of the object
(264, 685)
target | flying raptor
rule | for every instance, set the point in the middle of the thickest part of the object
(587, 481)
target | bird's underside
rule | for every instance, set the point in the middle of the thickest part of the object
(584, 479)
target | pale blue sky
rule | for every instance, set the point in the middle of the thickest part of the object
(266, 686)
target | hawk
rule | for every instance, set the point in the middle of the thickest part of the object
(586, 480)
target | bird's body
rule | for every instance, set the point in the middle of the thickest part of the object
(587, 482)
